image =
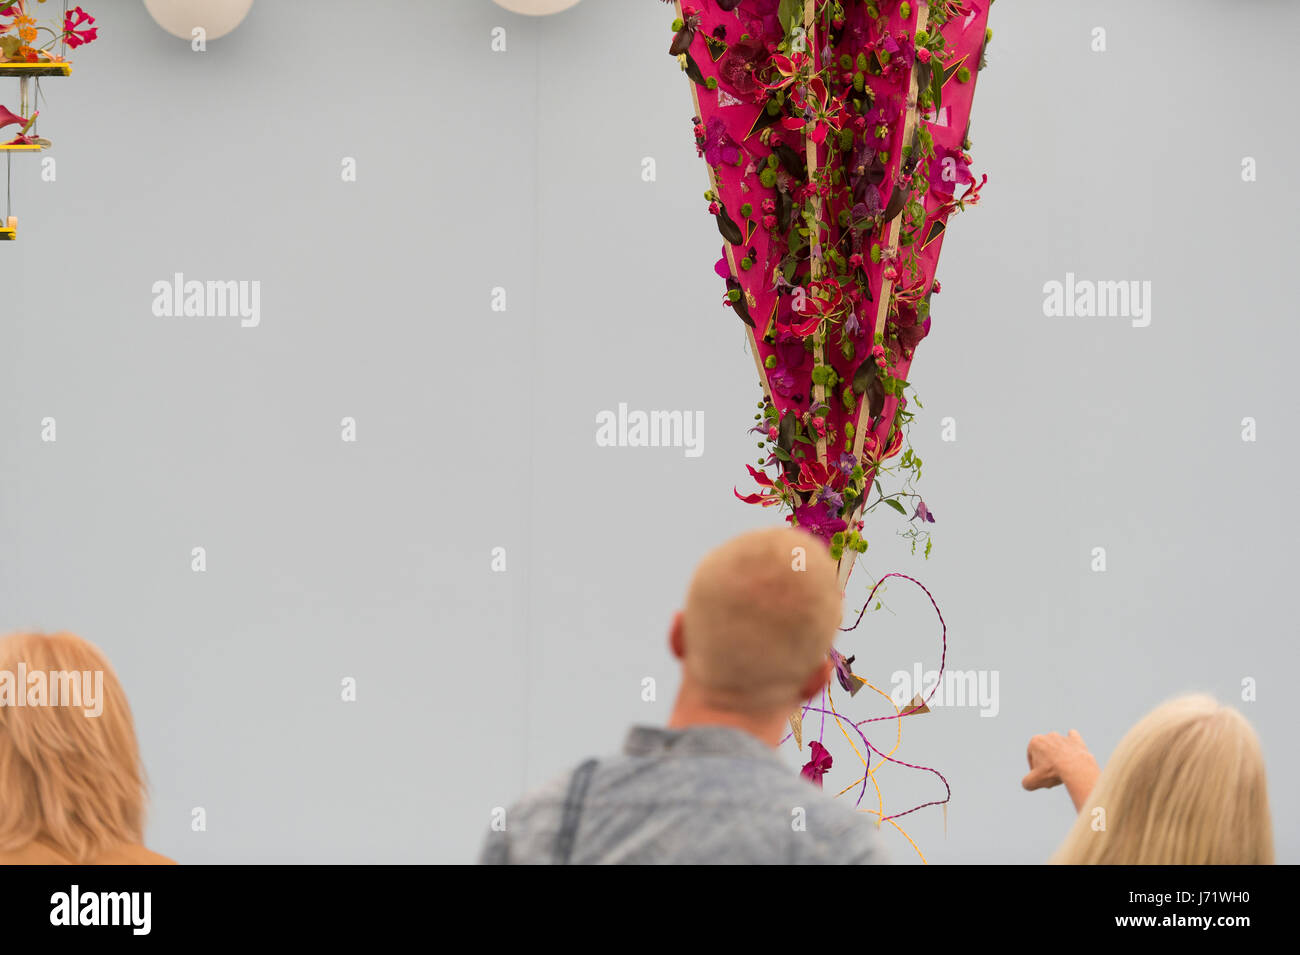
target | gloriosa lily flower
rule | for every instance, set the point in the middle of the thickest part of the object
(970, 197)
(872, 456)
(772, 496)
(819, 107)
(823, 299)
(813, 476)
(78, 27)
(788, 69)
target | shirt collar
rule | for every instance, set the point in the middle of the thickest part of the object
(696, 741)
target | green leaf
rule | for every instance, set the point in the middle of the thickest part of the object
(896, 506)
(791, 14)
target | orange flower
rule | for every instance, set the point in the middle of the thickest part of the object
(25, 27)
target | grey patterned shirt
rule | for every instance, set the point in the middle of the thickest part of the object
(703, 795)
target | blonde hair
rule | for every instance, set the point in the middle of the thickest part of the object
(760, 616)
(72, 781)
(1185, 786)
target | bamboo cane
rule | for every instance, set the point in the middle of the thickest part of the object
(882, 308)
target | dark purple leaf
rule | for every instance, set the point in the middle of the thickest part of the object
(727, 226)
(790, 161)
(739, 305)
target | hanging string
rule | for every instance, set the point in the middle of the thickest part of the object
(943, 657)
(827, 708)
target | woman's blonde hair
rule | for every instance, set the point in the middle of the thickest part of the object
(72, 780)
(1185, 786)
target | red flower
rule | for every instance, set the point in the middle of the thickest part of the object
(813, 476)
(768, 497)
(77, 27)
(816, 768)
(822, 298)
(816, 103)
(739, 63)
(789, 69)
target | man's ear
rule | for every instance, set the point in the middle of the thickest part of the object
(815, 682)
(676, 637)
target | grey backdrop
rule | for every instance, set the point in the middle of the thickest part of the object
(522, 170)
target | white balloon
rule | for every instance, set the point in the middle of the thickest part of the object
(535, 8)
(180, 17)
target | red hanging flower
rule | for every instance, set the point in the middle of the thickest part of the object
(816, 768)
(767, 498)
(78, 29)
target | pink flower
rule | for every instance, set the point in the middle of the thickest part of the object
(8, 118)
(817, 767)
(818, 520)
(782, 381)
(948, 168)
(719, 147)
(74, 19)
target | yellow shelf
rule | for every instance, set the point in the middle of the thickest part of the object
(36, 69)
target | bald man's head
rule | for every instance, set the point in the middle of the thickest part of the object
(761, 614)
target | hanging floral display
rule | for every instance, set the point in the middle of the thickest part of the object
(24, 40)
(30, 50)
(837, 139)
(836, 135)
